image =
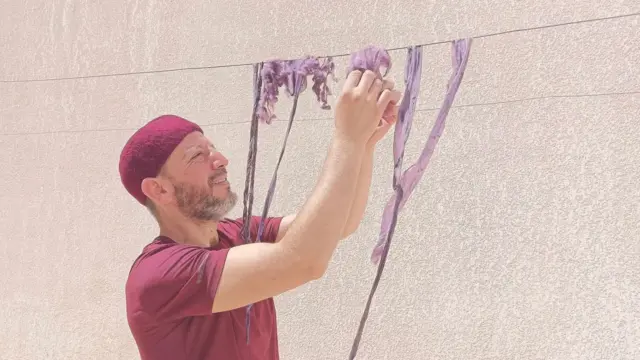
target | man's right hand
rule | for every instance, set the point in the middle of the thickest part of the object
(361, 106)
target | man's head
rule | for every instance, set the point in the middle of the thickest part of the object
(169, 166)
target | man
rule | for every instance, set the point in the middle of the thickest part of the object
(187, 292)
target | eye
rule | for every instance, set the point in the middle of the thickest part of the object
(198, 154)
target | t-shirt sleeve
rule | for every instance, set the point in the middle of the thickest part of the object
(181, 281)
(270, 231)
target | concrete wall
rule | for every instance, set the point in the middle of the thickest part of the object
(521, 242)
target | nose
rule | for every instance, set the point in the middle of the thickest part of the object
(218, 160)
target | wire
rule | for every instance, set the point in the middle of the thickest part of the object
(331, 118)
(196, 68)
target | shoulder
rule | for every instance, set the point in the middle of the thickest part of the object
(163, 258)
(166, 267)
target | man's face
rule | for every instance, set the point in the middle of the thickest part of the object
(198, 173)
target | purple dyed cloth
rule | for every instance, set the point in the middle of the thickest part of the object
(410, 178)
(404, 183)
(371, 58)
(291, 74)
(269, 77)
(251, 157)
(251, 169)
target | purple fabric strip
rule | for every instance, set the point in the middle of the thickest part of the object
(371, 58)
(412, 76)
(413, 71)
(405, 183)
(292, 75)
(274, 178)
(251, 170)
(251, 157)
(279, 73)
(413, 174)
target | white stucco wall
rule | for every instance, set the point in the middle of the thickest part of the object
(521, 242)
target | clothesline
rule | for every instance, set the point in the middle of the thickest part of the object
(442, 42)
(331, 118)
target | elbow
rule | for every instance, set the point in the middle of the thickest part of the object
(312, 270)
(349, 230)
(317, 271)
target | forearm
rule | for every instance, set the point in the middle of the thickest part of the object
(361, 197)
(320, 224)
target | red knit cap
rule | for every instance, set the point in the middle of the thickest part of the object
(148, 149)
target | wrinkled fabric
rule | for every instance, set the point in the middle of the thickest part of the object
(278, 73)
(411, 176)
(272, 80)
(404, 183)
(274, 177)
(412, 76)
(320, 78)
(251, 157)
(292, 75)
(371, 58)
(251, 171)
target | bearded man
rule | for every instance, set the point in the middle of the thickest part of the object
(187, 292)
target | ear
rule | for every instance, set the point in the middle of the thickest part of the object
(157, 190)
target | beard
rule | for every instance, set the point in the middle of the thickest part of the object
(200, 204)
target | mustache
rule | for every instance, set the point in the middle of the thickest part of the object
(215, 175)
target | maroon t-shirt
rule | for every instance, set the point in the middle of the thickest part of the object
(170, 292)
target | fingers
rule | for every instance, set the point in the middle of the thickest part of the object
(388, 84)
(380, 131)
(383, 127)
(388, 97)
(390, 113)
(353, 79)
(375, 90)
(366, 81)
(360, 80)
(378, 87)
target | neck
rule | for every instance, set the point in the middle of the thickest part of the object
(186, 231)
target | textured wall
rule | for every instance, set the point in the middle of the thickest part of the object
(521, 242)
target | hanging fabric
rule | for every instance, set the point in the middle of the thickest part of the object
(251, 157)
(251, 170)
(268, 78)
(292, 75)
(404, 183)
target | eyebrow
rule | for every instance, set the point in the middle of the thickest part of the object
(190, 148)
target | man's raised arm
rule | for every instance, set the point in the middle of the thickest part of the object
(254, 272)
